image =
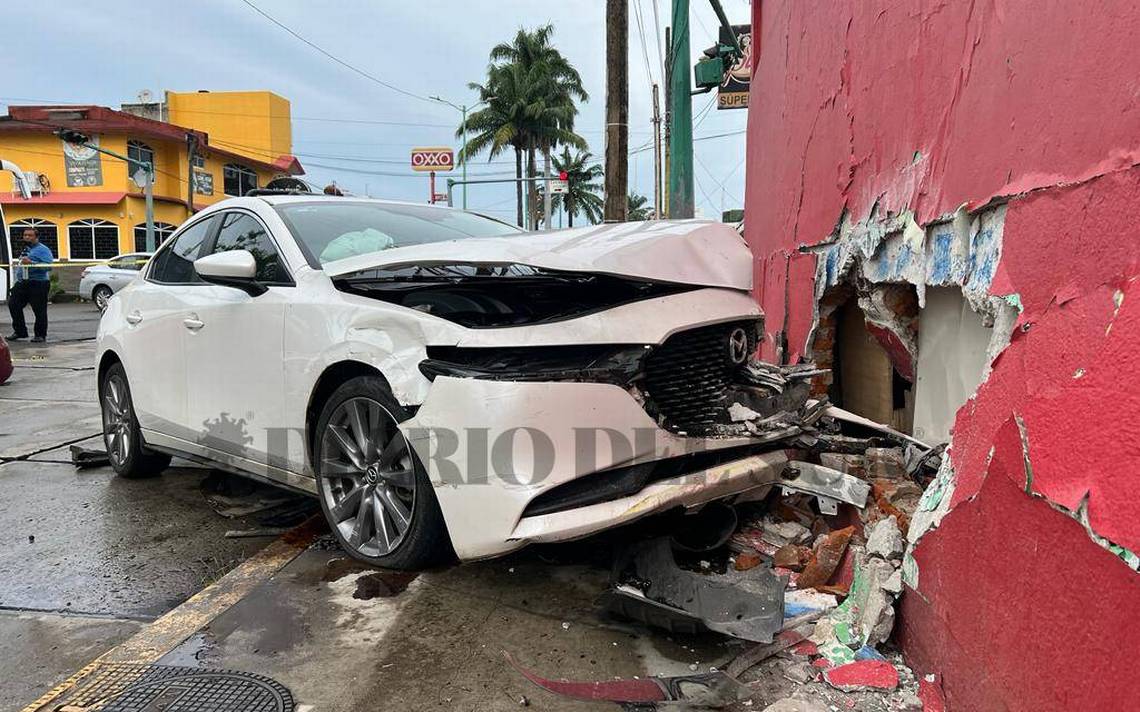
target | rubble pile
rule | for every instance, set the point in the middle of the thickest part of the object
(807, 567)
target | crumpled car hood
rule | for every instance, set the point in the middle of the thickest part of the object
(693, 252)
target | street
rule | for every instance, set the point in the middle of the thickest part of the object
(89, 560)
(751, 356)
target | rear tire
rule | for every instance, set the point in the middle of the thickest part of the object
(100, 295)
(373, 490)
(121, 436)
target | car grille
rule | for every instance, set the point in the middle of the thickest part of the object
(687, 377)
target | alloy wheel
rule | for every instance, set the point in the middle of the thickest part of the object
(117, 420)
(367, 476)
(102, 296)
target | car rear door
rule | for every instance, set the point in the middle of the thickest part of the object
(234, 359)
(154, 346)
(122, 270)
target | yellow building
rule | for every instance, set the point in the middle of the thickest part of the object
(205, 147)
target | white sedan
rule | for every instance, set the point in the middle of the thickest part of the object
(99, 282)
(445, 384)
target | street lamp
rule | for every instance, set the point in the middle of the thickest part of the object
(463, 150)
(81, 139)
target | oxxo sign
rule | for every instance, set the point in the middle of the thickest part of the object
(432, 159)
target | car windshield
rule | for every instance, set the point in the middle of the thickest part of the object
(335, 230)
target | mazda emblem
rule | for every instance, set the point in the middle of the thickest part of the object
(737, 346)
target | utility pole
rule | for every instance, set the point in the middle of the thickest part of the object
(191, 147)
(681, 204)
(656, 156)
(617, 111)
(668, 118)
(545, 191)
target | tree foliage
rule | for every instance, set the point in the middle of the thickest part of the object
(530, 92)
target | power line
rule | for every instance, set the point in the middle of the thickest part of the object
(720, 135)
(657, 36)
(334, 58)
(644, 44)
(704, 112)
(402, 161)
(326, 119)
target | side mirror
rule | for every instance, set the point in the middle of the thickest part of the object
(235, 268)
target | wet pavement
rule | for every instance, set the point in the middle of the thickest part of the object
(343, 637)
(86, 559)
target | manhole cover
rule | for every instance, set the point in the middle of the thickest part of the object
(168, 688)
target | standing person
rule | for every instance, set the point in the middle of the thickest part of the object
(31, 288)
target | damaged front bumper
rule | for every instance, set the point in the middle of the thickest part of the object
(492, 448)
(516, 463)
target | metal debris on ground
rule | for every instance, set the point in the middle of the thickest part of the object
(236, 497)
(704, 690)
(82, 457)
(812, 567)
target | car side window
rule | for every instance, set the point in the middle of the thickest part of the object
(131, 262)
(244, 232)
(175, 263)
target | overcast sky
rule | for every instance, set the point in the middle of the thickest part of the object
(107, 52)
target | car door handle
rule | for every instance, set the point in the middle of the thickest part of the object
(193, 323)
(134, 317)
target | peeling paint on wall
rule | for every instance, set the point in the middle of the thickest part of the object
(931, 145)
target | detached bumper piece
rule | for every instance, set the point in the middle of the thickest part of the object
(743, 604)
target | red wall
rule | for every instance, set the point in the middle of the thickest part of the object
(928, 106)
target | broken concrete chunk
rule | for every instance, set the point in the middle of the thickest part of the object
(848, 464)
(867, 616)
(740, 413)
(825, 559)
(802, 600)
(885, 541)
(800, 672)
(746, 560)
(863, 675)
(781, 534)
(792, 556)
(886, 462)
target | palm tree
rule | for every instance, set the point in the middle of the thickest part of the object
(530, 90)
(584, 191)
(501, 124)
(638, 210)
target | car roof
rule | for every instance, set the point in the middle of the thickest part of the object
(319, 198)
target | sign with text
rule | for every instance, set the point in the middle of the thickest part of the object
(203, 183)
(432, 159)
(82, 164)
(733, 91)
(559, 186)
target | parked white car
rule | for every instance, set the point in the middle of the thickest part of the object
(441, 381)
(99, 282)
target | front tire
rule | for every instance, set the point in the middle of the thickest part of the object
(373, 490)
(121, 435)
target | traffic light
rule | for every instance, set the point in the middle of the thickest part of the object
(563, 175)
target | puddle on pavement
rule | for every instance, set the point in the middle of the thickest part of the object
(375, 583)
(193, 652)
(382, 584)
